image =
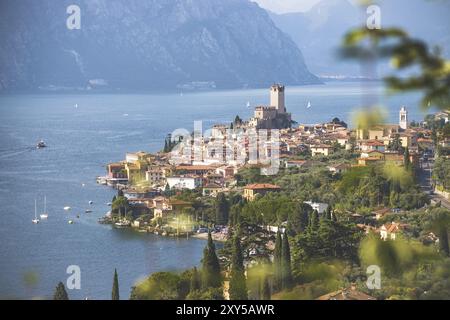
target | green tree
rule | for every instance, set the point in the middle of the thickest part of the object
(298, 220)
(406, 159)
(222, 209)
(328, 213)
(439, 222)
(238, 286)
(314, 222)
(195, 280)
(277, 261)
(115, 288)
(211, 277)
(265, 289)
(60, 292)
(395, 144)
(286, 269)
(159, 286)
(120, 206)
(404, 53)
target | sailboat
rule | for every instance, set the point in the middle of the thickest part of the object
(248, 104)
(44, 214)
(35, 220)
(309, 105)
(76, 105)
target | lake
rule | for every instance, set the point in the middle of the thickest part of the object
(34, 258)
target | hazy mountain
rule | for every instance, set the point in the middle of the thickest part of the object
(152, 44)
(318, 32)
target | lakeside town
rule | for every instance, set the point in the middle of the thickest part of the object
(376, 181)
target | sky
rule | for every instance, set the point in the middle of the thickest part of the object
(284, 6)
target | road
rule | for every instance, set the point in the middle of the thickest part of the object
(425, 182)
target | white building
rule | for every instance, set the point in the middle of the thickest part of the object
(184, 182)
(318, 206)
(403, 118)
(389, 231)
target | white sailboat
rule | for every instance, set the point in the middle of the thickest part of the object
(44, 214)
(248, 104)
(309, 105)
(76, 105)
(35, 220)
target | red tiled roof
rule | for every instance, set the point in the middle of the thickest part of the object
(194, 168)
(374, 143)
(258, 186)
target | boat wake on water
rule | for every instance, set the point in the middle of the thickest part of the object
(6, 153)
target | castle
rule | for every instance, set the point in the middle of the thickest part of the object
(275, 115)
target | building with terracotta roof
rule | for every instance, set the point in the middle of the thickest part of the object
(389, 231)
(251, 190)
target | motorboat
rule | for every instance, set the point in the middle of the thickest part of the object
(41, 144)
(67, 208)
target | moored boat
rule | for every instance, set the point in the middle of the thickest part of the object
(35, 220)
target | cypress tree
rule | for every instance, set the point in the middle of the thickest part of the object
(443, 240)
(314, 221)
(195, 280)
(277, 260)
(406, 160)
(265, 289)
(286, 271)
(211, 277)
(60, 292)
(303, 217)
(328, 213)
(238, 286)
(115, 288)
(222, 209)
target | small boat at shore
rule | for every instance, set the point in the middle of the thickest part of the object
(70, 222)
(88, 211)
(122, 223)
(91, 202)
(67, 208)
(35, 220)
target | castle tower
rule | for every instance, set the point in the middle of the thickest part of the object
(277, 98)
(403, 118)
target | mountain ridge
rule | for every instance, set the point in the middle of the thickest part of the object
(136, 45)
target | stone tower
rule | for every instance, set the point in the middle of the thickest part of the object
(277, 98)
(403, 118)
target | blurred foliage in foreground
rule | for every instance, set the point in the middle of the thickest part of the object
(431, 72)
